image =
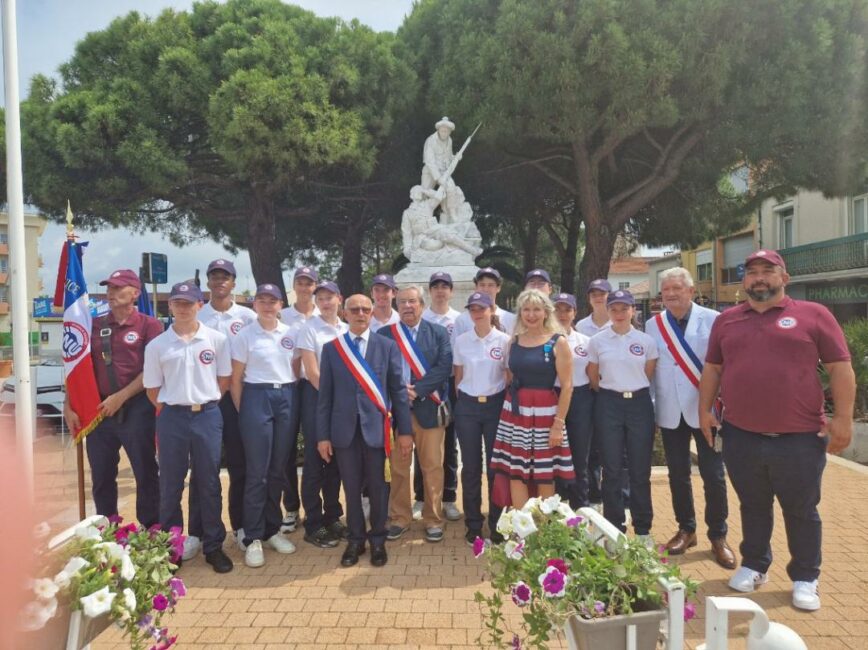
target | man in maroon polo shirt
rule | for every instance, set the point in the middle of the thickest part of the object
(762, 356)
(129, 420)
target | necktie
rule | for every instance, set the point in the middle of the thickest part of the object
(360, 343)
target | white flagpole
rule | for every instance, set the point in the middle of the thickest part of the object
(18, 266)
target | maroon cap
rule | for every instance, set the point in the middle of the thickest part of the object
(773, 257)
(222, 265)
(269, 290)
(123, 278)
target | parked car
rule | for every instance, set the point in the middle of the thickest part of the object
(48, 376)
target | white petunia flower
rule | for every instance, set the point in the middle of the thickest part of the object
(44, 588)
(112, 549)
(550, 505)
(88, 532)
(128, 569)
(75, 565)
(504, 524)
(523, 524)
(532, 504)
(98, 603)
(129, 600)
(514, 550)
(62, 580)
(565, 510)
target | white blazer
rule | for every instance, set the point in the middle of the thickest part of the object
(674, 394)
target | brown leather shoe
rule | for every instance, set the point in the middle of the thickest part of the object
(723, 554)
(682, 541)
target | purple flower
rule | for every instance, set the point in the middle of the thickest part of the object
(115, 519)
(521, 593)
(689, 611)
(178, 587)
(572, 522)
(559, 564)
(478, 546)
(160, 602)
(516, 642)
(553, 582)
(145, 621)
(599, 607)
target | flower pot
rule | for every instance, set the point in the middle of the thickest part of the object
(611, 633)
(67, 631)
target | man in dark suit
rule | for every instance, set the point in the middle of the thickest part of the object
(433, 351)
(350, 425)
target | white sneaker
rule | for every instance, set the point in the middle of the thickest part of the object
(366, 507)
(239, 538)
(646, 540)
(280, 544)
(805, 595)
(746, 580)
(451, 511)
(192, 544)
(253, 556)
(417, 510)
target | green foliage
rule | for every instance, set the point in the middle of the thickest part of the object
(856, 333)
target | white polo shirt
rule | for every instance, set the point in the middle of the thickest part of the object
(267, 354)
(186, 371)
(227, 322)
(464, 323)
(315, 333)
(579, 347)
(622, 358)
(587, 326)
(290, 315)
(447, 320)
(377, 325)
(483, 362)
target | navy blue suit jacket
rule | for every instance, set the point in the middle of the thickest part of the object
(433, 341)
(342, 401)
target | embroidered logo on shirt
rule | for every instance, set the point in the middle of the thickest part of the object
(637, 349)
(236, 326)
(75, 341)
(580, 351)
(496, 353)
(131, 337)
(450, 328)
(787, 323)
(207, 357)
(287, 343)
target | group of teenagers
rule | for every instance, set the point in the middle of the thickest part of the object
(537, 402)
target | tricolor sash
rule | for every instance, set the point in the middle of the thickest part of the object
(354, 361)
(413, 356)
(679, 348)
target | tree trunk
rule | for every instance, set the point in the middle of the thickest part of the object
(530, 244)
(568, 264)
(350, 272)
(599, 244)
(261, 244)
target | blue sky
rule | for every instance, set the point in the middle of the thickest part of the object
(47, 33)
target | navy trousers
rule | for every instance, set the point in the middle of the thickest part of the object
(233, 458)
(317, 477)
(676, 444)
(266, 430)
(192, 439)
(362, 465)
(291, 494)
(626, 425)
(580, 431)
(475, 424)
(790, 467)
(136, 434)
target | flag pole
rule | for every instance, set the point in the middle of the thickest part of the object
(79, 447)
(17, 249)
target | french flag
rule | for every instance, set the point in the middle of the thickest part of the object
(81, 387)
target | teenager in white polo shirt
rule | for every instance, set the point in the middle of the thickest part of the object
(322, 523)
(383, 292)
(263, 373)
(488, 280)
(186, 371)
(479, 357)
(621, 363)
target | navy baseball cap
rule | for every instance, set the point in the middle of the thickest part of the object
(269, 290)
(488, 271)
(306, 272)
(481, 299)
(440, 276)
(600, 284)
(222, 265)
(566, 299)
(123, 278)
(186, 290)
(537, 273)
(621, 296)
(386, 280)
(327, 285)
(770, 256)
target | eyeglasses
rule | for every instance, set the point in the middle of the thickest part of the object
(360, 310)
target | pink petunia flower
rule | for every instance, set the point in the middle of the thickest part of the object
(553, 582)
(559, 564)
(572, 522)
(115, 519)
(478, 547)
(521, 593)
(689, 611)
(178, 587)
(160, 602)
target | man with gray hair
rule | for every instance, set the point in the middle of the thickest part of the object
(426, 359)
(681, 333)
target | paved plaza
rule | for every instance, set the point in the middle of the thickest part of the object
(424, 596)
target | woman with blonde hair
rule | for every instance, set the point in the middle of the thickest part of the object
(531, 450)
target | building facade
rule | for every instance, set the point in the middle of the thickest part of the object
(34, 225)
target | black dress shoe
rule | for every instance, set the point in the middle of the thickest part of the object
(219, 561)
(378, 555)
(351, 554)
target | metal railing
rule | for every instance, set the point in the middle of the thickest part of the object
(839, 254)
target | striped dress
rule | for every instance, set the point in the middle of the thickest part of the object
(521, 448)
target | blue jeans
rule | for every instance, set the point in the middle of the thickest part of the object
(626, 425)
(580, 430)
(790, 467)
(676, 444)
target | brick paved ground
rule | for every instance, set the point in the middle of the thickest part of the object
(424, 596)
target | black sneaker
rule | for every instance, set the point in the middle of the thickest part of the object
(471, 535)
(338, 529)
(321, 538)
(395, 532)
(497, 538)
(219, 561)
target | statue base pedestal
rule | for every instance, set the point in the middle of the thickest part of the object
(462, 280)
